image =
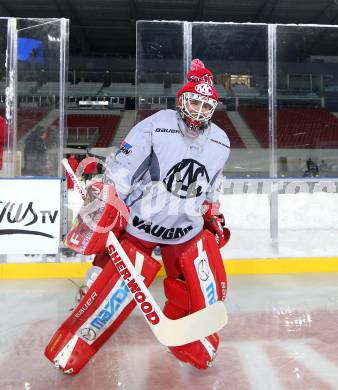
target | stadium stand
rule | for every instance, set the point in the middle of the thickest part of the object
(143, 114)
(26, 120)
(257, 119)
(222, 120)
(223, 92)
(84, 89)
(51, 88)
(296, 127)
(118, 90)
(245, 92)
(26, 87)
(150, 89)
(107, 125)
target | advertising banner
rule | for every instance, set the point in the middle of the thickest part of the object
(30, 216)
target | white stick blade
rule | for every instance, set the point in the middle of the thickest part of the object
(193, 327)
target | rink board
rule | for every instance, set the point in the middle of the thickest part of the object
(233, 267)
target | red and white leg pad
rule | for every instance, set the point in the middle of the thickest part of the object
(202, 282)
(100, 312)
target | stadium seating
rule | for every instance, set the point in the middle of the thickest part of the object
(26, 120)
(143, 114)
(26, 87)
(150, 89)
(84, 89)
(107, 125)
(222, 120)
(51, 88)
(245, 92)
(296, 127)
(118, 90)
(257, 119)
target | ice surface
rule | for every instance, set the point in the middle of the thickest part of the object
(282, 334)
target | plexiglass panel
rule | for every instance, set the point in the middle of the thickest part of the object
(3, 132)
(159, 66)
(32, 93)
(279, 98)
(307, 139)
(237, 55)
(308, 218)
(307, 101)
(40, 96)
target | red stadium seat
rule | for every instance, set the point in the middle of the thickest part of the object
(221, 119)
(107, 125)
(296, 127)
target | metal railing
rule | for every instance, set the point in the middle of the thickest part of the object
(80, 133)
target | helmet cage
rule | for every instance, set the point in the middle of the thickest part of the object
(201, 115)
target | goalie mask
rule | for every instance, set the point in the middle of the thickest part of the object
(197, 100)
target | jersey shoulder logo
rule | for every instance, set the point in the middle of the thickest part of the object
(182, 179)
(125, 148)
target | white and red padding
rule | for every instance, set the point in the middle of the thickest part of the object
(101, 311)
(101, 212)
(201, 282)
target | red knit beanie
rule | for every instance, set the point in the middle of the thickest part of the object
(200, 80)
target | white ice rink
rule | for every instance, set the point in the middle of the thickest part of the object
(282, 334)
(282, 331)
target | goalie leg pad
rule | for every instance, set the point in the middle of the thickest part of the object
(101, 311)
(203, 270)
(202, 282)
(200, 353)
(101, 260)
(199, 263)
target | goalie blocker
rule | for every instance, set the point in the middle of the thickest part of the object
(101, 213)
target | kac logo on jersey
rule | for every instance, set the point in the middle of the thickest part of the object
(124, 148)
(182, 178)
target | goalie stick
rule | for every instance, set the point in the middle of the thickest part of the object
(168, 332)
(72, 175)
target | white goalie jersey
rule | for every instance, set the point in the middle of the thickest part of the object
(164, 176)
